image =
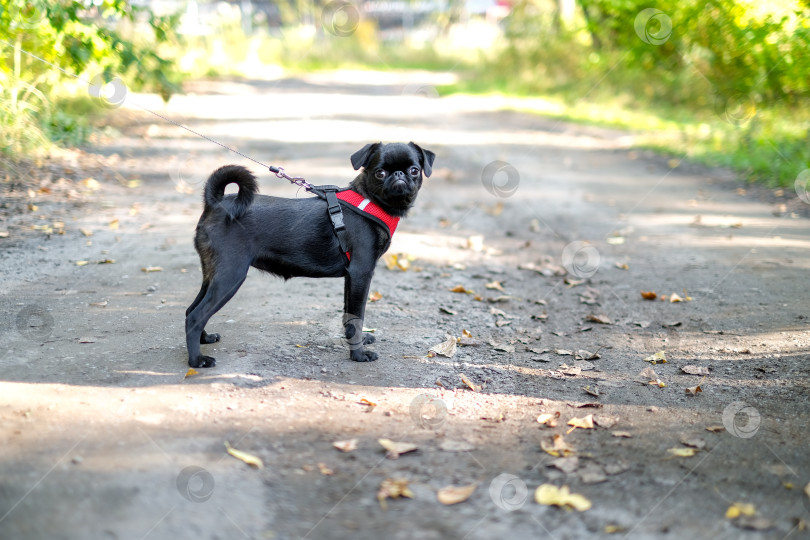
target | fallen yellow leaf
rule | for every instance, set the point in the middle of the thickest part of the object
(324, 470)
(586, 422)
(395, 449)
(149, 269)
(393, 488)
(557, 446)
(551, 495)
(660, 356)
(649, 295)
(682, 452)
(455, 495)
(190, 372)
(461, 289)
(494, 286)
(375, 296)
(250, 459)
(740, 509)
(398, 261)
(471, 385)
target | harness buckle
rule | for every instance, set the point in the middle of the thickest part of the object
(336, 215)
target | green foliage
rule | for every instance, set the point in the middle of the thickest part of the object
(729, 78)
(47, 44)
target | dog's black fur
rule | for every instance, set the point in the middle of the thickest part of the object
(295, 237)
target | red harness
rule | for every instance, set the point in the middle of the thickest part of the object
(368, 210)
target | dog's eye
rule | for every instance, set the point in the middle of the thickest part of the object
(379, 174)
(413, 171)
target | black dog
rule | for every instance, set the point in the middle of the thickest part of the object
(296, 237)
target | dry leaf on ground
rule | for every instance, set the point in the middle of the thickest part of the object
(601, 319)
(694, 441)
(494, 286)
(348, 445)
(556, 446)
(649, 295)
(398, 261)
(370, 404)
(586, 422)
(693, 390)
(622, 434)
(471, 385)
(455, 494)
(461, 289)
(325, 470)
(740, 509)
(395, 449)
(549, 419)
(571, 371)
(393, 488)
(659, 357)
(447, 348)
(695, 370)
(605, 421)
(375, 296)
(682, 452)
(591, 391)
(190, 372)
(250, 459)
(551, 495)
(582, 354)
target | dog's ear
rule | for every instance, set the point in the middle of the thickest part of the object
(426, 158)
(361, 157)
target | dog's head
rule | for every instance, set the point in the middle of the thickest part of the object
(392, 174)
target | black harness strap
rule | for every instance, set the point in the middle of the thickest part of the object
(336, 216)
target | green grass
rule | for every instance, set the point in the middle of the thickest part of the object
(767, 145)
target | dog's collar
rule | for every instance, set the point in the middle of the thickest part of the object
(370, 208)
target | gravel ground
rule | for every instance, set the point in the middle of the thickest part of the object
(550, 230)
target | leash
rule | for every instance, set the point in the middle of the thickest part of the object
(328, 193)
(278, 171)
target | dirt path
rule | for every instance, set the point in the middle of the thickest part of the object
(102, 437)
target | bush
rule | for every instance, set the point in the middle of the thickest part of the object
(47, 45)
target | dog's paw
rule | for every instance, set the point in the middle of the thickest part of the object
(207, 339)
(202, 362)
(364, 356)
(368, 339)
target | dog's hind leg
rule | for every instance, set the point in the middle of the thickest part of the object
(216, 294)
(205, 338)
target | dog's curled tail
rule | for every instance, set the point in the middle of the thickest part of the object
(231, 174)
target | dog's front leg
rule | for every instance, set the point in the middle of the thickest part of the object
(355, 294)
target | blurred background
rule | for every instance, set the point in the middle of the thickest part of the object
(723, 82)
